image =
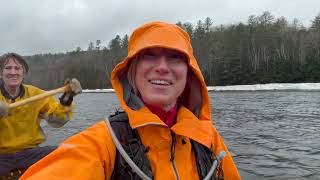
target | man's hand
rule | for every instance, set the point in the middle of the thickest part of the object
(4, 109)
(74, 89)
(75, 86)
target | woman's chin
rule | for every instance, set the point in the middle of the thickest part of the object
(165, 104)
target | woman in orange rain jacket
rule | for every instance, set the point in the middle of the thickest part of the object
(165, 131)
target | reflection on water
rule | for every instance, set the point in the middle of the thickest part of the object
(271, 134)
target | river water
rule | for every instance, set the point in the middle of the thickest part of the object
(271, 134)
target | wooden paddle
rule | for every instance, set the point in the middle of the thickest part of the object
(38, 97)
(74, 86)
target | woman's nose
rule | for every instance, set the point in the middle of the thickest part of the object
(162, 64)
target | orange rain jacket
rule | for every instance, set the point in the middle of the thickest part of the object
(91, 153)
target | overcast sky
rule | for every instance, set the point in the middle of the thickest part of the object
(50, 26)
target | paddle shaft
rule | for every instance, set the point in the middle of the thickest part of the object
(38, 97)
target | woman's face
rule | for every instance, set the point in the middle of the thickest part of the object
(161, 76)
(12, 74)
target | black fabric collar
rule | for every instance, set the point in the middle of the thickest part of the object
(7, 95)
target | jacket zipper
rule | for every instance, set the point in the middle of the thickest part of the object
(173, 142)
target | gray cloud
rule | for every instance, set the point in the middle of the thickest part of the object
(44, 26)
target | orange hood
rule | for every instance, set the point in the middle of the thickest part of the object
(159, 34)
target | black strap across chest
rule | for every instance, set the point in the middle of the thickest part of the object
(131, 143)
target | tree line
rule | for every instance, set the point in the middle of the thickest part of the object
(265, 49)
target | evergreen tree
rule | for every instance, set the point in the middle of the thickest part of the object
(90, 47)
(316, 23)
(98, 43)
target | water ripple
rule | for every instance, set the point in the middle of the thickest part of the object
(271, 134)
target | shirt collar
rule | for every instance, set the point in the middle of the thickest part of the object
(168, 117)
(8, 96)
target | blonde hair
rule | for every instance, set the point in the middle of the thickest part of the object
(131, 74)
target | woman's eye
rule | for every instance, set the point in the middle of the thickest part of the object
(175, 57)
(148, 56)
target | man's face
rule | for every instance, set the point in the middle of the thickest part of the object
(12, 73)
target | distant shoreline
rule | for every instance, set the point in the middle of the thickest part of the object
(254, 87)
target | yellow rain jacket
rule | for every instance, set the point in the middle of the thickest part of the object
(21, 128)
(91, 154)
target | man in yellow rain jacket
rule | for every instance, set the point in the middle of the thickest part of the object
(165, 131)
(20, 131)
